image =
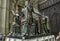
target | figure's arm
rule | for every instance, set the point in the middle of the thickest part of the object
(12, 12)
(35, 11)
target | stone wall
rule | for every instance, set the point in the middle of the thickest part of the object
(54, 15)
(48, 3)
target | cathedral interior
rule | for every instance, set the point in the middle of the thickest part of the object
(29, 20)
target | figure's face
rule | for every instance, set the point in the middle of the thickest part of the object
(26, 3)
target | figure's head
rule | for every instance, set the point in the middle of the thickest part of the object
(26, 3)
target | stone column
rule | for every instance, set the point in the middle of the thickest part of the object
(3, 14)
(0, 17)
(7, 17)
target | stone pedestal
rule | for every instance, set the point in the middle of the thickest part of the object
(44, 38)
